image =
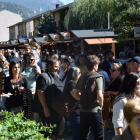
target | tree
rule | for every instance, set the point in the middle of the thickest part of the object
(47, 25)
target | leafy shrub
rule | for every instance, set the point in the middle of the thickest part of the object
(16, 127)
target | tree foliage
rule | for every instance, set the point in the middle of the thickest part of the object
(47, 25)
(93, 14)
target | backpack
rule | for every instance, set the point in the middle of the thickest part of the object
(87, 90)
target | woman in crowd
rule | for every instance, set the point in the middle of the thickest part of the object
(128, 90)
(117, 73)
(4, 72)
(81, 63)
(74, 118)
(132, 116)
(17, 86)
(63, 70)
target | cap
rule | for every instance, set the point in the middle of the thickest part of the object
(135, 59)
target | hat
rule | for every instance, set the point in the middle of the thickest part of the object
(135, 59)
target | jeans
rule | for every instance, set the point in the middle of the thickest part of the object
(74, 119)
(94, 120)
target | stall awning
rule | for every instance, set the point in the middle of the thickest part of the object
(101, 41)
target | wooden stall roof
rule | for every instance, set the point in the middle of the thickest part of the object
(94, 33)
(39, 40)
(100, 41)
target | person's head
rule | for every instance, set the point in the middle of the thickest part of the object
(3, 61)
(131, 54)
(129, 84)
(67, 62)
(73, 74)
(21, 55)
(53, 65)
(81, 60)
(92, 62)
(122, 55)
(55, 56)
(134, 64)
(13, 53)
(62, 58)
(116, 69)
(14, 69)
(30, 58)
(9, 52)
(98, 54)
(132, 115)
(36, 45)
(27, 49)
(108, 55)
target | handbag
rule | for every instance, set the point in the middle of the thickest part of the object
(64, 104)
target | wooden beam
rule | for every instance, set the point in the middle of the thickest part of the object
(113, 49)
(82, 45)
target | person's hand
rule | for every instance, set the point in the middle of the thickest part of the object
(47, 112)
(21, 89)
(3, 95)
(37, 71)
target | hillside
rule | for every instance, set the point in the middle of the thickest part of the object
(18, 9)
(36, 4)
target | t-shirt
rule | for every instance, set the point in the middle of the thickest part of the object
(31, 76)
(83, 69)
(105, 77)
(62, 74)
(106, 66)
(99, 86)
(70, 86)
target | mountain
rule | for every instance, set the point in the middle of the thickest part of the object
(18, 9)
(37, 4)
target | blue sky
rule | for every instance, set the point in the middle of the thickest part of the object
(67, 1)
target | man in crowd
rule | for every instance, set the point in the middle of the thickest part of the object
(134, 65)
(122, 57)
(32, 70)
(14, 58)
(8, 56)
(47, 89)
(91, 99)
(106, 64)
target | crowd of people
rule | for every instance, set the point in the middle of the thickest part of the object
(31, 79)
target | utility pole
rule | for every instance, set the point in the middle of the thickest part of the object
(108, 20)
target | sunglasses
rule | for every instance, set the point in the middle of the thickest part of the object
(29, 59)
(112, 70)
(2, 61)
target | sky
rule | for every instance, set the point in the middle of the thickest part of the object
(67, 1)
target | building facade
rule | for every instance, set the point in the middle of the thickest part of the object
(29, 26)
(8, 18)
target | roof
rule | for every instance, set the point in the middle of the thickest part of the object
(100, 41)
(37, 16)
(94, 33)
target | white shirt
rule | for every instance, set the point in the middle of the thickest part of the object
(118, 119)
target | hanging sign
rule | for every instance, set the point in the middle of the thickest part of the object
(56, 36)
(16, 41)
(66, 35)
(137, 30)
(45, 37)
(25, 41)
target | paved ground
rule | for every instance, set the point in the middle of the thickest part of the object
(108, 136)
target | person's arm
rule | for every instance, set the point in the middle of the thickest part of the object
(37, 70)
(42, 100)
(100, 97)
(76, 94)
(119, 130)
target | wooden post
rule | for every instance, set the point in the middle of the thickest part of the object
(113, 49)
(82, 45)
(136, 45)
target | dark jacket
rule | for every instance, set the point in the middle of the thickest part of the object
(126, 135)
(87, 89)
